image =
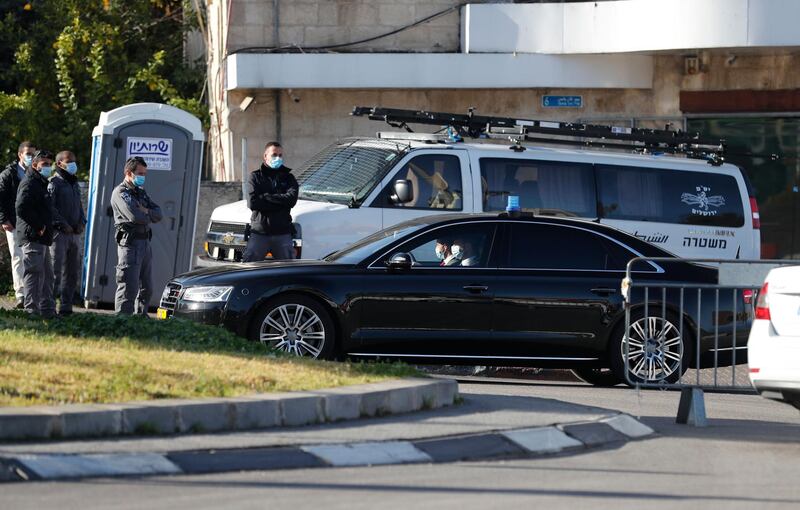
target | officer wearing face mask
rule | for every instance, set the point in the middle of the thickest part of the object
(447, 252)
(35, 234)
(68, 224)
(271, 193)
(134, 212)
(10, 178)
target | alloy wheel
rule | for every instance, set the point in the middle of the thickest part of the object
(655, 349)
(295, 329)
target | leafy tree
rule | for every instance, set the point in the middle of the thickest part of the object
(62, 62)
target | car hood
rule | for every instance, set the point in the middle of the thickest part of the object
(237, 212)
(233, 272)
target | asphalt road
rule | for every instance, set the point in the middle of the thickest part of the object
(749, 457)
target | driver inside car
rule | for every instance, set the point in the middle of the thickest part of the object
(445, 254)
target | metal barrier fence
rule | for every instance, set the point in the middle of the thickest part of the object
(686, 326)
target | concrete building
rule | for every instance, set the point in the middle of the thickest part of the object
(293, 69)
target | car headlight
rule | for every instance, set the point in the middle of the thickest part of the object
(207, 294)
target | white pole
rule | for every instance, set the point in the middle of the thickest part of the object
(244, 168)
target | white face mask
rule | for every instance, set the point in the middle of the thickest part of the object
(440, 253)
(456, 251)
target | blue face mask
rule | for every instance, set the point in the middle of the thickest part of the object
(28, 159)
(46, 171)
(72, 167)
(276, 163)
(138, 180)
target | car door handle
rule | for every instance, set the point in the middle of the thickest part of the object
(604, 291)
(476, 288)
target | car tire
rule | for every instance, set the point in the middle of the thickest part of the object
(295, 324)
(658, 353)
(602, 377)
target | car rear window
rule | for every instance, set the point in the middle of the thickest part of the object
(669, 196)
(545, 246)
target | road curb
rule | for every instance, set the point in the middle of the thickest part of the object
(226, 414)
(490, 445)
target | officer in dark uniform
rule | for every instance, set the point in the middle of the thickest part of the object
(68, 224)
(35, 234)
(133, 214)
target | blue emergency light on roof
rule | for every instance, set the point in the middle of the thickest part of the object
(513, 204)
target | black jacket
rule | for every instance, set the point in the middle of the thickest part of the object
(34, 210)
(271, 194)
(9, 183)
(66, 196)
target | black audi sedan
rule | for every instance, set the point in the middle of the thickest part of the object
(473, 289)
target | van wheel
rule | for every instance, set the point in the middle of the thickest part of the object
(603, 377)
(657, 352)
(296, 325)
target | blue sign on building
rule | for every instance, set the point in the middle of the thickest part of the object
(562, 101)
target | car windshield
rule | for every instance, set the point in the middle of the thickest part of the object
(362, 249)
(347, 171)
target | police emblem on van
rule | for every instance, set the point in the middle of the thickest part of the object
(703, 200)
(228, 238)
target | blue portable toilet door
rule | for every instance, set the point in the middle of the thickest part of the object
(165, 148)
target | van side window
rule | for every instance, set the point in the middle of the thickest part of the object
(544, 246)
(669, 196)
(435, 180)
(544, 187)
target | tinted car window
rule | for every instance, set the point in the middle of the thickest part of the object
(435, 180)
(363, 248)
(544, 246)
(542, 186)
(669, 196)
(474, 242)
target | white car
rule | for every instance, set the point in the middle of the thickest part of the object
(774, 344)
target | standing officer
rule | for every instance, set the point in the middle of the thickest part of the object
(271, 193)
(10, 178)
(68, 224)
(35, 234)
(133, 214)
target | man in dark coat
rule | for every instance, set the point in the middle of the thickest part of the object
(271, 193)
(68, 224)
(35, 234)
(10, 178)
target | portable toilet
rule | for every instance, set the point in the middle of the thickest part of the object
(171, 142)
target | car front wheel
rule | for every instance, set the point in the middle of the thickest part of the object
(296, 325)
(653, 350)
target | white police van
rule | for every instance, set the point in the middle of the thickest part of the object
(689, 202)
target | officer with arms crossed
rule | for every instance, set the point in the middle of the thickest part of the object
(10, 178)
(35, 234)
(271, 193)
(133, 214)
(68, 223)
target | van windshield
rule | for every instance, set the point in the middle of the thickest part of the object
(347, 171)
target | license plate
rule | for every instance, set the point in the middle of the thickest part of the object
(161, 313)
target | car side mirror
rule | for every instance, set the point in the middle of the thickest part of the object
(399, 262)
(403, 192)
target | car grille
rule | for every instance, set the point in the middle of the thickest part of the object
(222, 253)
(223, 228)
(169, 299)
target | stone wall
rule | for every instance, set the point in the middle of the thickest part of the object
(311, 23)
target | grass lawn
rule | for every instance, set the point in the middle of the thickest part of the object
(92, 358)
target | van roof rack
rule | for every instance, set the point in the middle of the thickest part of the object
(568, 133)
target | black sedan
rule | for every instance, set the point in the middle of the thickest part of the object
(478, 290)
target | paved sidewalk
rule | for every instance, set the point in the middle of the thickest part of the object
(481, 427)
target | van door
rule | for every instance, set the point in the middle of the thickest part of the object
(441, 183)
